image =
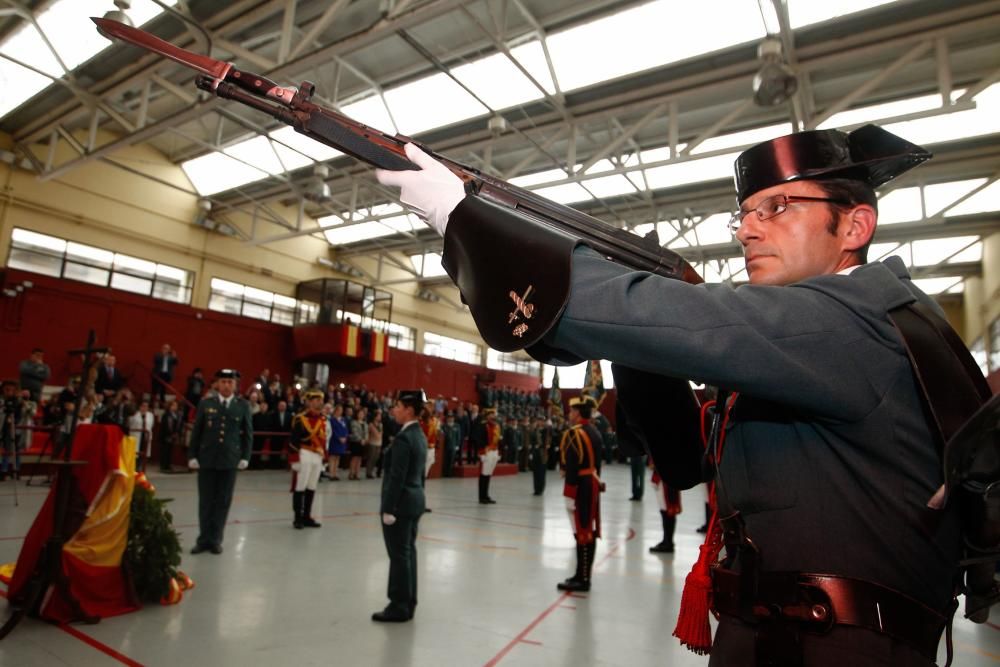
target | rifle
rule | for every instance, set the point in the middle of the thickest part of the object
(678, 464)
(295, 107)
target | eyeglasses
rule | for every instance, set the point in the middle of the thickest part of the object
(774, 206)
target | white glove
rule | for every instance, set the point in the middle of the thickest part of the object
(242, 465)
(432, 193)
(296, 466)
(388, 519)
(193, 464)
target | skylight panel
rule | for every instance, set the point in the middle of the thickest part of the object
(372, 112)
(499, 83)
(610, 186)
(984, 119)
(880, 251)
(934, 286)
(527, 180)
(875, 112)
(593, 52)
(806, 12)
(737, 269)
(339, 234)
(942, 195)
(973, 253)
(431, 102)
(428, 265)
(984, 201)
(929, 252)
(643, 229)
(215, 172)
(692, 171)
(67, 25)
(958, 288)
(901, 205)
(316, 150)
(568, 193)
(714, 229)
(745, 138)
(256, 151)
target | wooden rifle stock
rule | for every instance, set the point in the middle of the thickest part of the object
(386, 152)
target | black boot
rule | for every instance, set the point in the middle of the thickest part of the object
(667, 545)
(307, 506)
(489, 501)
(482, 490)
(708, 518)
(584, 562)
(297, 508)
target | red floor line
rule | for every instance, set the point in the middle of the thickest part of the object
(993, 625)
(520, 638)
(103, 648)
(477, 518)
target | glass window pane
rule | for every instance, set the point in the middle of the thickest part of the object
(225, 303)
(90, 255)
(135, 266)
(87, 274)
(36, 262)
(123, 281)
(258, 296)
(171, 292)
(256, 311)
(22, 238)
(226, 287)
(172, 274)
(282, 315)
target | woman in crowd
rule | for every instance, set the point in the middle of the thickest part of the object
(373, 448)
(338, 440)
(356, 442)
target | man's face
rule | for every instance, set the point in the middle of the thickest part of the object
(797, 243)
(109, 360)
(314, 403)
(226, 386)
(282, 406)
(165, 350)
(402, 413)
(574, 416)
(37, 357)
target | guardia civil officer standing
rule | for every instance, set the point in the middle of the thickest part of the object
(220, 445)
(829, 461)
(403, 504)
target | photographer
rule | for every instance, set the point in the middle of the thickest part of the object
(11, 413)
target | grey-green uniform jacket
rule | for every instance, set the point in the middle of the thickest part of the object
(403, 473)
(221, 438)
(828, 454)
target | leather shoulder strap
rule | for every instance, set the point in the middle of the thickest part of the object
(952, 385)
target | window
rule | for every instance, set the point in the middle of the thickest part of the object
(402, 338)
(994, 358)
(51, 256)
(436, 345)
(504, 361)
(978, 351)
(237, 299)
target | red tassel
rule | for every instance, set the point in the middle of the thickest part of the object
(693, 628)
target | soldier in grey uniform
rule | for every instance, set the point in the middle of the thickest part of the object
(220, 445)
(403, 504)
(830, 463)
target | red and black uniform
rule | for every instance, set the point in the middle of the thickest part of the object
(583, 498)
(489, 454)
(307, 445)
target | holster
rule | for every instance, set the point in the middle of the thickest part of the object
(783, 605)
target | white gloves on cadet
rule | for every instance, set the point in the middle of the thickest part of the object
(388, 519)
(432, 193)
(242, 465)
(193, 464)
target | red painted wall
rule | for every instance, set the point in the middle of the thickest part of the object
(56, 315)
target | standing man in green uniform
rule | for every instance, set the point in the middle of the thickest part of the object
(539, 454)
(220, 445)
(402, 506)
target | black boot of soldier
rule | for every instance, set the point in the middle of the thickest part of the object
(708, 517)
(667, 545)
(307, 506)
(297, 508)
(572, 583)
(482, 490)
(489, 501)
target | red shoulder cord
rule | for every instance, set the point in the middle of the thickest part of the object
(693, 628)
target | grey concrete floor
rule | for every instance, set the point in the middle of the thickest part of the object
(487, 576)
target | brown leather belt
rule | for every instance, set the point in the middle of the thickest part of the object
(819, 601)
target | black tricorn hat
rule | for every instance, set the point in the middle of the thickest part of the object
(415, 398)
(224, 373)
(868, 154)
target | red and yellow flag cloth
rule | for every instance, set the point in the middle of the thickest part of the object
(97, 522)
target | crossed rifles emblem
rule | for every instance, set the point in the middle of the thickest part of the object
(521, 309)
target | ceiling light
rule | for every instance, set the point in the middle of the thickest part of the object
(775, 82)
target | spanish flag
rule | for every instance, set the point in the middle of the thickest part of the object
(97, 525)
(379, 348)
(350, 340)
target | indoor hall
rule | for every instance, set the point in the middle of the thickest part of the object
(486, 585)
(234, 228)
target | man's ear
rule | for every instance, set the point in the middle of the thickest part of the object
(861, 227)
